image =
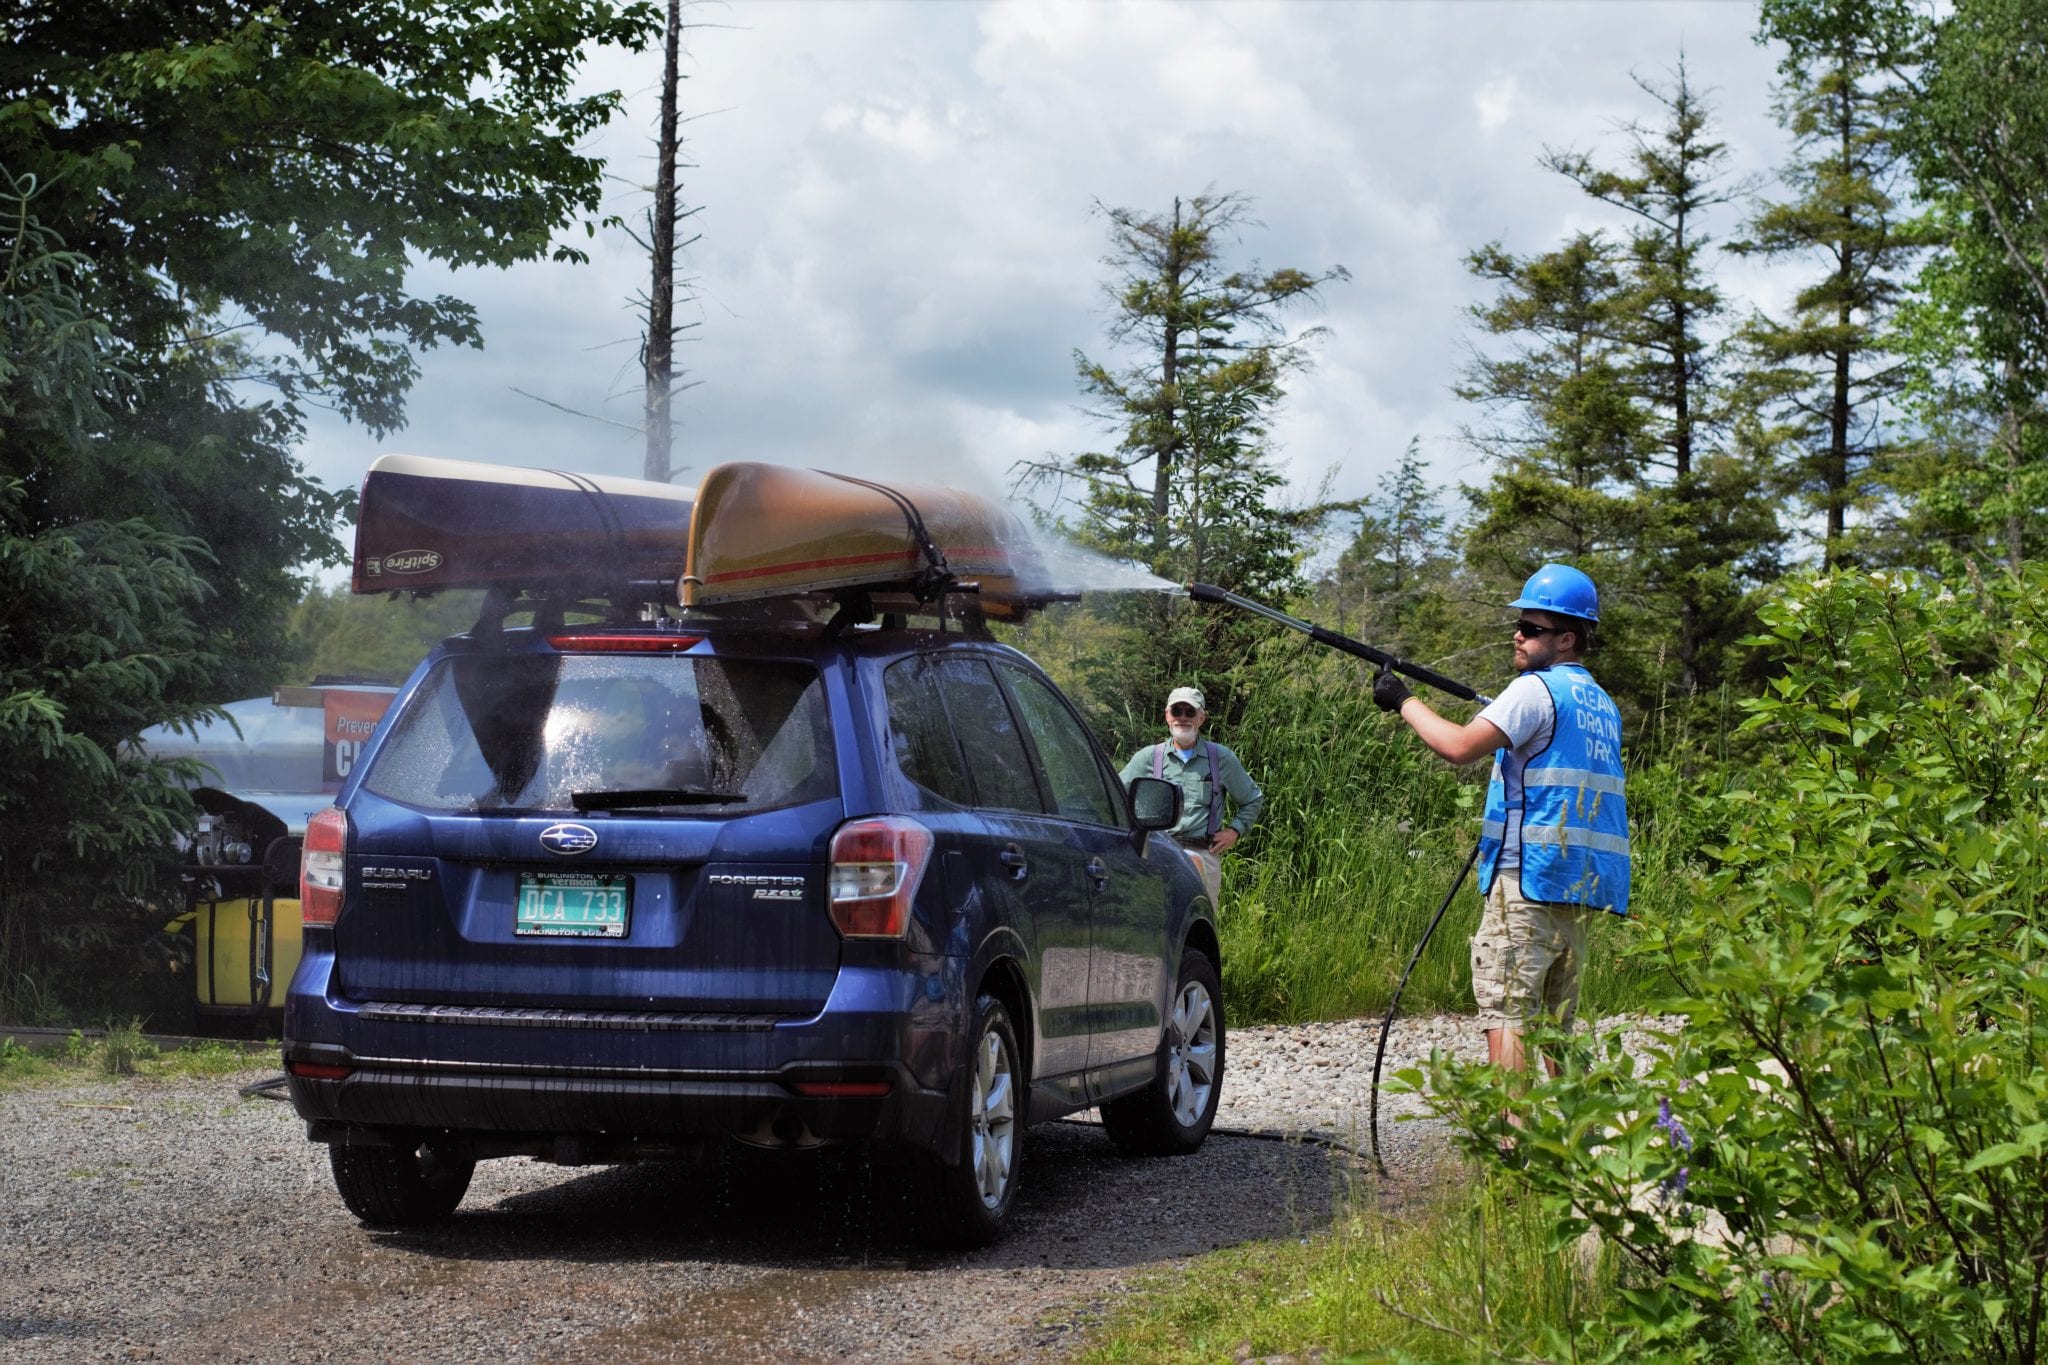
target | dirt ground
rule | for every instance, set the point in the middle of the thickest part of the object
(155, 1220)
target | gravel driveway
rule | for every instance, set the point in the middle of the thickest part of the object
(173, 1220)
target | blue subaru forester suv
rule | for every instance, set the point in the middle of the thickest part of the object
(613, 892)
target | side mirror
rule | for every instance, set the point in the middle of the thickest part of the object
(1155, 803)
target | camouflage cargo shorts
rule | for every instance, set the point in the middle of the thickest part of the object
(1526, 957)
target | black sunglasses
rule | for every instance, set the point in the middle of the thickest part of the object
(1531, 630)
(1181, 711)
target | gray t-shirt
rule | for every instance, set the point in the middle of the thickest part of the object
(1525, 713)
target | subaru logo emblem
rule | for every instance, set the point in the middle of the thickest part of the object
(566, 838)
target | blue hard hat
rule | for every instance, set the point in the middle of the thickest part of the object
(1562, 589)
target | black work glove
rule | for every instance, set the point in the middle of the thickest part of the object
(1388, 691)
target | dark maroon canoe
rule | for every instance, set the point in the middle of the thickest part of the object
(425, 524)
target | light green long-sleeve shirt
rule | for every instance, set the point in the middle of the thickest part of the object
(1191, 774)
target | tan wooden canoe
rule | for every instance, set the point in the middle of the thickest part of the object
(763, 530)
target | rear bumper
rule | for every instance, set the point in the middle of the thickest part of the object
(617, 1108)
(873, 1064)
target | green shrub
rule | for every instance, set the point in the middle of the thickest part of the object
(1839, 1148)
(124, 1046)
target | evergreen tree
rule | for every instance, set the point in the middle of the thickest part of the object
(1843, 107)
(1192, 490)
(1210, 353)
(1706, 525)
(1391, 583)
(1568, 440)
(102, 625)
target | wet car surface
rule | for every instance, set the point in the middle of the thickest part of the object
(628, 890)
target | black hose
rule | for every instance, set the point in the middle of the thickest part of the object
(1206, 592)
(269, 1088)
(1380, 1053)
(1262, 1135)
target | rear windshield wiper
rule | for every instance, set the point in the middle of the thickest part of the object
(634, 798)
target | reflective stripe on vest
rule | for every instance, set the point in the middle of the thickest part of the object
(1215, 819)
(1574, 814)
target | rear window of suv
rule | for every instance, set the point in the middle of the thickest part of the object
(532, 732)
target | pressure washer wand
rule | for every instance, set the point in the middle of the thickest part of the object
(1204, 592)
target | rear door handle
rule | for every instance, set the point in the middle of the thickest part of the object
(1098, 872)
(1013, 858)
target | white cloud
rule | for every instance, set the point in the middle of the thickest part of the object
(1495, 102)
(900, 253)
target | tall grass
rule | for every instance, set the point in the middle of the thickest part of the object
(1364, 832)
(1468, 1275)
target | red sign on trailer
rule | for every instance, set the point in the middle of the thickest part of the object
(352, 718)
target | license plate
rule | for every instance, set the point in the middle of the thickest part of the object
(573, 904)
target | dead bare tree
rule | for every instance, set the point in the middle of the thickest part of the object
(657, 349)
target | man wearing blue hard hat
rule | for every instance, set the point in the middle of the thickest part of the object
(1553, 852)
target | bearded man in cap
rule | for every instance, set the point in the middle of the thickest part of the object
(1207, 772)
(1554, 849)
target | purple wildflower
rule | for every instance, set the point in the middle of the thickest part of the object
(1672, 1189)
(1673, 1129)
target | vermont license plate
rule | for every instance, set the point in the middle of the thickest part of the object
(573, 904)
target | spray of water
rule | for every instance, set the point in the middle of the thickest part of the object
(1068, 568)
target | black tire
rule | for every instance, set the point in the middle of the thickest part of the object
(400, 1187)
(1172, 1115)
(968, 1199)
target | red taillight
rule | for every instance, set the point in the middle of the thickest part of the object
(624, 644)
(320, 867)
(876, 866)
(319, 1071)
(840, 1089)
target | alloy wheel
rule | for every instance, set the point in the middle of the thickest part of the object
(1191, 1059)
(994, 1116)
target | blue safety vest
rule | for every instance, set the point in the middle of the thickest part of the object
(1574, 818)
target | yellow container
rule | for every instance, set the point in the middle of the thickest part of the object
(245, 957)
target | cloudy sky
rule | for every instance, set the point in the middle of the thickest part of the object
(900, 250)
